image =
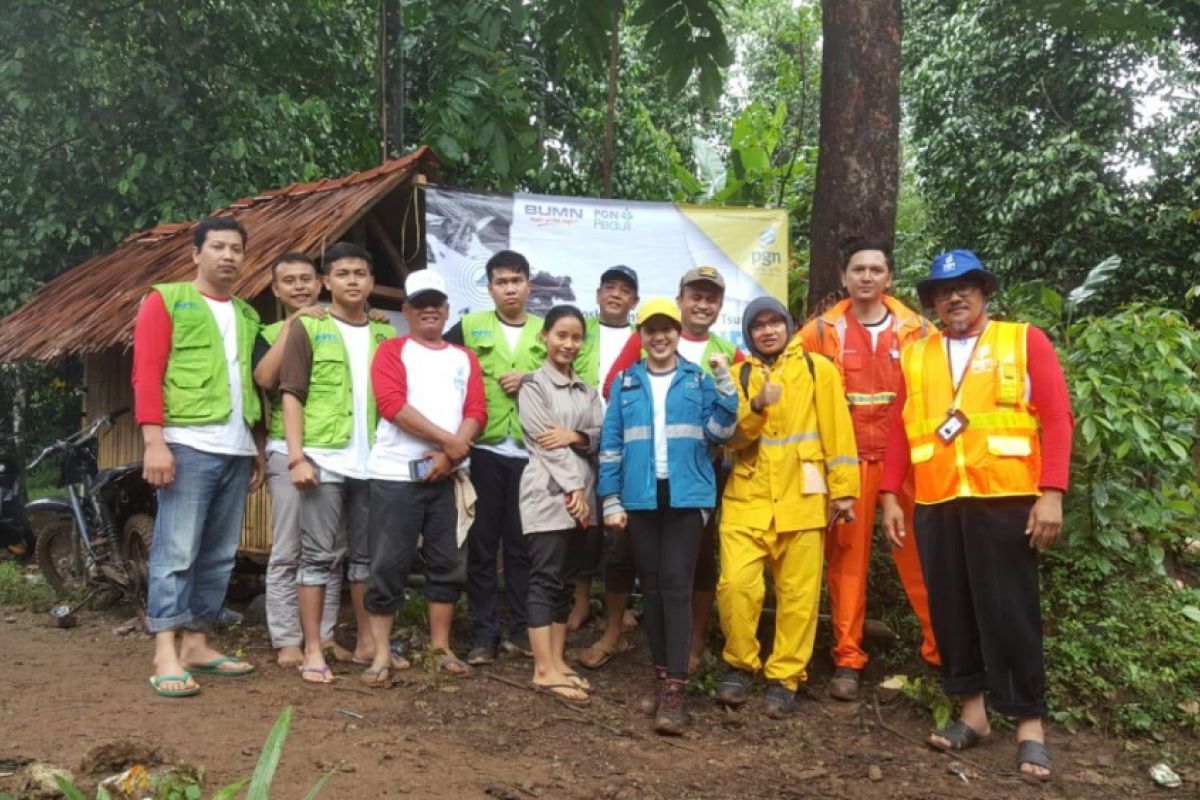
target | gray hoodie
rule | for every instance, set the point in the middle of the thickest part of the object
(756, 307)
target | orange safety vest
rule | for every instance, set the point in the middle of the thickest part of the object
(871, 376)
(999, 453)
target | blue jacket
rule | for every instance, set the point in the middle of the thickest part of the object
(699, 414)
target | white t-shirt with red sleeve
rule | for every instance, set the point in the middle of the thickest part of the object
(444, 383)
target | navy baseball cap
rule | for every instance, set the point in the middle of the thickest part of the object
(950, 266)
(621, 272)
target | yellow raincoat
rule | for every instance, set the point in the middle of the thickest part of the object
(788, 463)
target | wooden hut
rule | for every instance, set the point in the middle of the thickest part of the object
(89, 311)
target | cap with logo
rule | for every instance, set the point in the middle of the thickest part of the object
(424, 282)
(622, 273)
(950, 266)
(703, 275)
(659, 307)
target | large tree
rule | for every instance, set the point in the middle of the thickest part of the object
(858, 164)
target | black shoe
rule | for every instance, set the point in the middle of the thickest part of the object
(734, 688)
(518, 644)
(481, 654)
(648, 702)
(672, 718)
(780, 701)
(844, 684)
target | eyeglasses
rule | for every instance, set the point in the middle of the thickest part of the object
(964, 289)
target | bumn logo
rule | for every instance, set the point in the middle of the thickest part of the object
(544, 215)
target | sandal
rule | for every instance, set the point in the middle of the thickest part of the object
(451, 664)
(325, 672)
(1034, 753)
(156, 681)
(960, 735)
(600, 654)
(578, 680)
(214, 667)
(377, 678)
(559, 691)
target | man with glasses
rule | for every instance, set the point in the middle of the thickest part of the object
(983, 419)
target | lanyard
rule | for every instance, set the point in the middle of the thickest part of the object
(957, 384)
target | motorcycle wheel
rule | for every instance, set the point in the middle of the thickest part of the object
(137, 534)
(60, 556)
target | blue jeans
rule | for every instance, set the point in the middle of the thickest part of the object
(196, 536)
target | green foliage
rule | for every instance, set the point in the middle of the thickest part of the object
(926, 693)
(1120, 649)
(175, 785)
(1046, 141)
(25, 590)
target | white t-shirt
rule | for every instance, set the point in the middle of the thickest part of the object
(877, 328)
(230, 437)
(436, 381)
(351, 461)
(693, 349)
(613, 339)
(508, 447)
(660, 384)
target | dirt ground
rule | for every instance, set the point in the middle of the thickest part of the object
(64, 692)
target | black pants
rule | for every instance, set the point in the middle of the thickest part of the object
(497, 481)
(706, 559)
(599, 546)
(551, 589)
(665, 543)
(984, 600)
(400, 513)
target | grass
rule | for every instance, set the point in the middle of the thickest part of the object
(23, 589)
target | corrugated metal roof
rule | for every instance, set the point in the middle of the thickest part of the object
(92, 306)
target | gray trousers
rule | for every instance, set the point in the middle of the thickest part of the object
(283, 615)
(333, 527)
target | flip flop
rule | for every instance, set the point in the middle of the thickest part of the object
(960, 735)
(214, 667)
(396, 650)
(156, 682)
(556, 690)
(1033, 752)
(450, 664)
(325, 670)
(583, 683)
(605, 653)
(377, 678)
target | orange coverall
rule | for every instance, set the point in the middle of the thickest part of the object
(871, 376)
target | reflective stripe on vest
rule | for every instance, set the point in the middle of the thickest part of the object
(999, 452)
(196, 381)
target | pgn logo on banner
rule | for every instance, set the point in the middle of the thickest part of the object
(609, 219)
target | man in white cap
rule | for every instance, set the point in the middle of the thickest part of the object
(426, 427)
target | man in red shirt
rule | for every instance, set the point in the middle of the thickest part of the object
(197, 407)
(983, 419)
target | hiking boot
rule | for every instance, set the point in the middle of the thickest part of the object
(672, 716)
(734, 688)
(844, 684)
(648, 702)
(779, 700)
(481, 654)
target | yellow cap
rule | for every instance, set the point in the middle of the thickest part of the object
(657, 306)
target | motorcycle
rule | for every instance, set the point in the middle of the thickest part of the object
(94, 541)
(16, 537)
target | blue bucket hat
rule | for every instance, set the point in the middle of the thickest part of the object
(951, 265)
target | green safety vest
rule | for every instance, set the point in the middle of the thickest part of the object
(329, 408)
(275, 422)
(587, 360)
(196, 383)
(483, 334)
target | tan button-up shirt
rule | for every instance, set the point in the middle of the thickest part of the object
(549, 398)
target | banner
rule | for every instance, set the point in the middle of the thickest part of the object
(570, 241)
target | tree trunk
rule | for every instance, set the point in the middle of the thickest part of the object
(391, 78)
(858, 166)
(614, 57)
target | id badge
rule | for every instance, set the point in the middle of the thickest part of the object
(956, 422)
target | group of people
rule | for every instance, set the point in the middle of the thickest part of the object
(571, 447)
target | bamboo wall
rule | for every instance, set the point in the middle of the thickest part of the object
(106, 380)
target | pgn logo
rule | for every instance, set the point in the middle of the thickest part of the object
(765, 258)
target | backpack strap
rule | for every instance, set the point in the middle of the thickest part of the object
(744, 378)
